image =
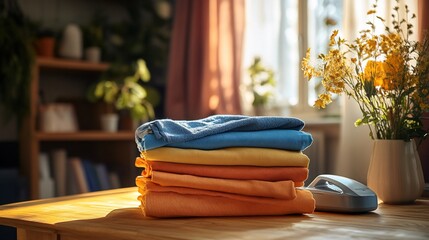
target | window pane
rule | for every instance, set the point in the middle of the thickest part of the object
(273, 33)
(289, 62)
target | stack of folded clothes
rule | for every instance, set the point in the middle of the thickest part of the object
(223, 165)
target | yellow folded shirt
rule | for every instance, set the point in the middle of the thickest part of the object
(229, 156)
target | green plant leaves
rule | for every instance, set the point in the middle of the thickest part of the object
(126, 92)
(15, 62)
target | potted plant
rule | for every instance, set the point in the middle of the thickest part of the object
(93, 40)
(16, 60)
(262, 85)
(122, 90)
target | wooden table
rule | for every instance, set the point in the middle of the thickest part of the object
(115, 214)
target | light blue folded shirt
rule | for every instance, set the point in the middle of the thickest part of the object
(219, 131)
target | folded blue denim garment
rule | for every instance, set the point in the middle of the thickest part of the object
(274, 138)
(175, 131)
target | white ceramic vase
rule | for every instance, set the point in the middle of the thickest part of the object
(395, 173)
(71, 44)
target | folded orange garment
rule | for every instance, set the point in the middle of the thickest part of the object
(296, 174)
(229, 156)
(153, 187)
(169, 203)
(280, 189)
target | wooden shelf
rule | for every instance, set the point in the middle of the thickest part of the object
(93, 144)
(58, 63)
(87, 136)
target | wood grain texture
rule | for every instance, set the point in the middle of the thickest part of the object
(115, 214)
(30, 234)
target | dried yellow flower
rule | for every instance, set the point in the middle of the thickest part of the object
(386, 74)
(374, 72)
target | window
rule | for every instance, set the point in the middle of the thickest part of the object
(280, 31)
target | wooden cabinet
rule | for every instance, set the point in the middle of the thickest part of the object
(54, 78)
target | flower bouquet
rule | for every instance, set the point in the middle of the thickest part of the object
(386, 74)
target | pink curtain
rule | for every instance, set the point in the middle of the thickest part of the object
(205, 59)
(423, 19)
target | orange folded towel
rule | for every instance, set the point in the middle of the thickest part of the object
(296, 174)
(280, 189)
(153, 187)
(169, 203)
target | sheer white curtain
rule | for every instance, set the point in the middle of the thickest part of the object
(355, 144)
(271, 33)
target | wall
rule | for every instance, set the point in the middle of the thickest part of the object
(56, 14)
(327, 132)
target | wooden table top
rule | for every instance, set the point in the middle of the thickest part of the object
(115, 214)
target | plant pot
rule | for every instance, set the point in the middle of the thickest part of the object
(395, 172)
(45, 46)
(109, 122)
(93, 54)
(260, 110)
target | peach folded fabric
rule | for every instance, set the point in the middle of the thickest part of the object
(280, 189)
(296, 174)
(152, 187)
(229, 156)
(167, 202)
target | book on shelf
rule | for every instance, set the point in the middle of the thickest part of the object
(78, 178)
(47, 188)
(61, 175)
(91, 176)
(44, 168)
(87, 176)
(46, 182)
(102, 175)
(59, 163)
(114, 180)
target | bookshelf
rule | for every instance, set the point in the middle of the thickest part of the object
(116, 150)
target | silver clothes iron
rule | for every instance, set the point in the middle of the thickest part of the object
(340, 194)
